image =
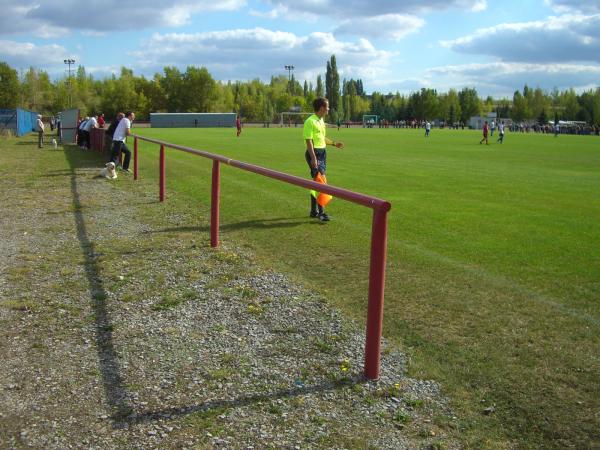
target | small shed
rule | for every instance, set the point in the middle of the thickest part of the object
(18, 121)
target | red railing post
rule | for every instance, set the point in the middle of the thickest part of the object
(376, 292)
(135, 158)
(214, 204)
(161, 182)
(380, 208)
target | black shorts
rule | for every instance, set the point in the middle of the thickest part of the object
(321, 155)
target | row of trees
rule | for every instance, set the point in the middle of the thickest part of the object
(195, 90)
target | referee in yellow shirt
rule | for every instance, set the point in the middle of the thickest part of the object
(316, 154)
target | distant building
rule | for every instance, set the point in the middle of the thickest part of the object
(476, 122)
(18, 121)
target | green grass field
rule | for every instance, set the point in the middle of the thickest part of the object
(493, 279)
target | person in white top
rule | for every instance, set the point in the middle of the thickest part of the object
(92, 123)
(81, 132)
(121, 132)
(87, 129)
(427, 128)
(501, 132)
(40, 129)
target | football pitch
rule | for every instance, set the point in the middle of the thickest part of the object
(493, 275)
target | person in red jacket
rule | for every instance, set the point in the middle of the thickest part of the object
(101, 121)
(485, 133)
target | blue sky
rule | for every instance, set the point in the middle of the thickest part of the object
(391, 45)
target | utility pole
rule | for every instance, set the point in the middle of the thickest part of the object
(69, 62)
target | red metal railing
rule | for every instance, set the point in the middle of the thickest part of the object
(378, 232)
(97, 139)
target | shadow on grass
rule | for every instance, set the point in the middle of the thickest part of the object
(282, 222)
(58, 173)
(114, 389)
(239, 401)
(122, 412)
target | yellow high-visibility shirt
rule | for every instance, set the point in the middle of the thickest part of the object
(314, 128)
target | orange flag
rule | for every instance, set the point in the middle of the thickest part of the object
(322, 198)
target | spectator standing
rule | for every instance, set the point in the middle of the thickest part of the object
(238, 125)
(120, 137)
(108, 137)
(492, 128)
(58, 133)
(101, 121)
(87, 130)
(80, 132)
(427, 128)
(40, 130)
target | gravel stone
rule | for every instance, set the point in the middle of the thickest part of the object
(123, 329)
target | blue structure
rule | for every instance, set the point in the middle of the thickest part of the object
(18, 121)
(192, 120)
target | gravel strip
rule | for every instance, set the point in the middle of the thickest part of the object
(120, 330)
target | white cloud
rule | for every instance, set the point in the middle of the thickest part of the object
(584, 6)
(100, 72)
(403, 85)
(15, 19)
(501, 78)
(250, 53)
(393, 26)
(555, 39)
(390, 19)
(50, 19)
(24, 54)
(283, 12)
(361, 8)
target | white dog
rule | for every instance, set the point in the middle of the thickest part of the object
(54, 144)
(109, 171)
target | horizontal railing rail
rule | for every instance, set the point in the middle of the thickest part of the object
(361, 199)
(378, 230)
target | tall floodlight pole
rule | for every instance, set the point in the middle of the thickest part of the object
(69, 62)
(290, 69)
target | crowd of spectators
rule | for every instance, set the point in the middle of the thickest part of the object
(580, 128)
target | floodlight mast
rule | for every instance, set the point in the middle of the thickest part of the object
(69, 62)
(290, 69)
